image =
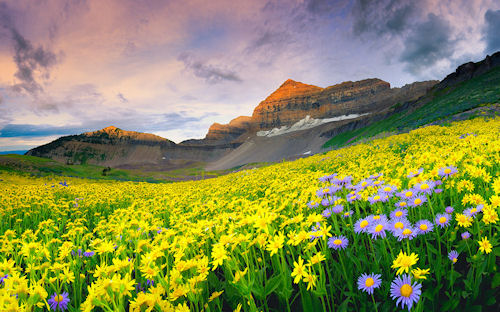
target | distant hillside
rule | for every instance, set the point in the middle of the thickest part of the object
(470, 86)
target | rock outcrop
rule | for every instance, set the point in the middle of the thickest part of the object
(293, 100)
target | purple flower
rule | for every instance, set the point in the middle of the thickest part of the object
(438, 190)
(378, 228)
(416, 201)
(425, 187)
(406, 194)
(423, 227)
(447, 171)
(415, 173)
(347, 214)
(465, 235)
(388, 189)
(442, 219)
(312, 204)
(89, 254)
(59, 302)
(405, 292)
(368, 282)
(406, 233)
(362, 225)
(353, 197)
(337, 209)
(449, 209)
(338, 242)
(471, 212)
(364, 184)
(327, 213)
(398, 224)
(3, 278)
(399, 213)
(401, 203)
(327, 177)
(453, 256)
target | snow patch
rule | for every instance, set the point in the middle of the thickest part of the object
(305, 123)
(306, 153)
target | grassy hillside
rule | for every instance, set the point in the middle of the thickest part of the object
(444, 103)
(37, 166)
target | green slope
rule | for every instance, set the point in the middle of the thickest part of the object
(464, 96)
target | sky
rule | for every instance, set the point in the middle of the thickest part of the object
(174, 67)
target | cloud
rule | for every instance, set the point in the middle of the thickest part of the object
(31, 60)
(383, 17)
(211, 73)
(427, 43)
(492, 31)
(122, 98)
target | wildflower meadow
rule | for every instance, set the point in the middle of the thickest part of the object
(408, 222)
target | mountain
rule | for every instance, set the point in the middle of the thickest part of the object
(297, 119)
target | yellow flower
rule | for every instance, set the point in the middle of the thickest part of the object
(420, 273)
(463, 220)
(310, 280)
(317, 258)
(215, 295)
(299, 270)
(276, 244)
(239, 274)
(403, 262)
(484, 245)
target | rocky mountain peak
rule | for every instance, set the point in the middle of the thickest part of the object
(291, 88)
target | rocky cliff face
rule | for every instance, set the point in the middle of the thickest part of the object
(293, 100)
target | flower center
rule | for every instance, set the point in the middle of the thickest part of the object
(424, 186)
(58, 298)
(379, 228)
(399, 213)
(363, 224)
(387, 189)
(399, 225)
(447, 170)
(376, 217)
(337, 242)
(376, 197)
(407, 232)
(442, 220)
(326, 190)
(418, 201)
(409, 194)
(473, 210)
(454, 260)
(369, 282)
(406, 290)
(402, 204)
(423, 227)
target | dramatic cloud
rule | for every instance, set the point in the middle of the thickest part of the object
(383, 17)
(492, 31)
(211, 73)
(428, 43)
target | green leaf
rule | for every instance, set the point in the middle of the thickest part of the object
(496, 281)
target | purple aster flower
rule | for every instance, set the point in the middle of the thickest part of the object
(3, 278)
(377, 217)
(327, 177)
(405, 292)
(449, 209)
(438, 190)
(368, 282)
(59, 302)
(327, 213)
(362, 225)
(416, 201)
(338, 242)
(150, 282)
(465, 235)
(398, 224)
(364, 183)
(375, 199)
(353, 197)
(406, 194)
(378, 228)
(376, 175)
(312, 204)
(322, 192)
(337, 209)
(471, 212)
(388, 189)
(89, 254)
(453, 256)
(399, 213)
(423, 227)
(401, 203)
(329, 201)
(442, 219)
(406, 233)
(347, 214)
(447, 171)
(413, 174)
(425, 187)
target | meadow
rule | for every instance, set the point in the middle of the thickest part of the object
(407, 222)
